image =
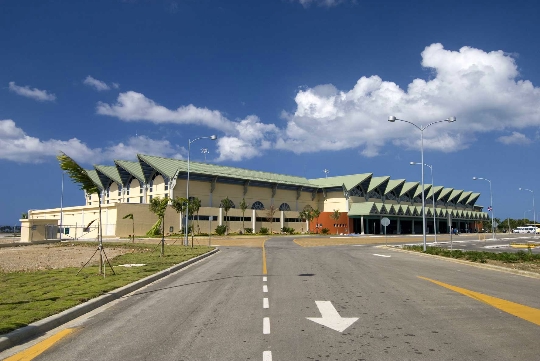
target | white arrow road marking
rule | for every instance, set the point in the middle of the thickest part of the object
(381, 255)
(331, 318)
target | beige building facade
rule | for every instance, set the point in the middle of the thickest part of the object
(361, 200)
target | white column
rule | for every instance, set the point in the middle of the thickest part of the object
(282, 220)
(220, 217)
(253, 220)
(362, 224)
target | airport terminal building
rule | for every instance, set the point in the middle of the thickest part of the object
(362, 200)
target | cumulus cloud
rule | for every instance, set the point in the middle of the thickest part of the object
(35, 93)
(243, 139)
(17, 146)
(515, 138)
(323, 3)
(482, 89)
(96, 84)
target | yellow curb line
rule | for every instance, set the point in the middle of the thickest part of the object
(41, 347)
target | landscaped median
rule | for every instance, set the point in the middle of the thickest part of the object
(29, 296)
(523, 261)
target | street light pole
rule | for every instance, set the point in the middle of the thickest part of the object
(491, 204)
(62, 208)
(392, 119)
(212, 137)
(433, 197)
(534, 209)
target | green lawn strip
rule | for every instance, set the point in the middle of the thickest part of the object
(479, 256)
(26, 297)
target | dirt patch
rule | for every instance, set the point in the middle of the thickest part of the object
(42, 257)
(525, 266)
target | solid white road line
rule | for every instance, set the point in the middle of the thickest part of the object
(266, 325)
(265, 279)
(265, 288)
(267, 356)
(381, 255)
(265, 303)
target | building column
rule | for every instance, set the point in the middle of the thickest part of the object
(282, 220)
(362, 225)
(412, 230)
(253, 220)
(398, 225)
(220, 217)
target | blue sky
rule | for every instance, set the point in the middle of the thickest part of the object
(289, 86)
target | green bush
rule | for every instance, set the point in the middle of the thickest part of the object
(220, 230)
(263, 230)
(325, 231)
(479, 256)
(248, 230)
(288, 230)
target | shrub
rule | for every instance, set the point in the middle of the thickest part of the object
(325, 231)
(220, 230)
(263, 230)
(288, 230)
(248, 230)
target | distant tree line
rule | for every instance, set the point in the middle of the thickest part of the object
(10, 229)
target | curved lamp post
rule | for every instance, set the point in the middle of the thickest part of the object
(433, 197)
(212, 137)
(392, 119)
(534, 210)
(490, 204)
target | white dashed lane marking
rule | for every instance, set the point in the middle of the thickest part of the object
(267, 356)
(266, 325)
(265, 288)
(265, 303)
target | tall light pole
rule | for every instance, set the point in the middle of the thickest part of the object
(433, 197)
(326, 171)
(213, 137)
(62, 208)
(490, 204)
(205, 152)
(528, 210)
(392, 119)
(534, 210)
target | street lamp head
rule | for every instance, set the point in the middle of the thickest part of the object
(392, 118)
(413, 163)
(520, 188)
(213, 137)
(451, 119)
(474, 178)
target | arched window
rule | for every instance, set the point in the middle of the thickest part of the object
(258, 205)
(284, 207)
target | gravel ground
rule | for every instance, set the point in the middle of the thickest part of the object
(48, 256)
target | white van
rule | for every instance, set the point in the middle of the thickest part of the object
(527, 229)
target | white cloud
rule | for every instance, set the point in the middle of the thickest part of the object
(324, 3)
(17, 146)
(36, 94)
(515, 138)
(96, 84)
(482, 89)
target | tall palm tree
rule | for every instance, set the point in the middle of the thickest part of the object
(335, 216)
(243, 206)
(130, 216)
(226, 204)
(158, 206)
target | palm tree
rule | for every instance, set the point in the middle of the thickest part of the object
(158, 206)
(226, 204)
(270, 215)
(308, 214)
(80, 176)
(130, 216)
(335, 216)
(243, 207)
(195, 205)
(179, 204)
(315, 214)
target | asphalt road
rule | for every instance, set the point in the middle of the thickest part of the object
(216, 310)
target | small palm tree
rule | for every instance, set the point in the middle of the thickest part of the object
(316, 213)
(243, 207)
(195, 206)
(226, 204)
(158, 206)
(270, 215)
(130, 216)
(335, 216)
(179, 204)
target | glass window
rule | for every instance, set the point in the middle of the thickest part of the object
(257, 205)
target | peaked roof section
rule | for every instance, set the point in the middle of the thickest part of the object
(464, 196)
(127, 169)
(473, 198)
(436, 190)
(418, 192)
(349, 181)
(445, 193)
(455, 194)
(107, 172)
(95, 178)
(168, 168)
(376, 182)
(409, 187)
(394, 185)
(361, 209)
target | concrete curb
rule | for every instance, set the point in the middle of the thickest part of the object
(469, 263)
(40, 327)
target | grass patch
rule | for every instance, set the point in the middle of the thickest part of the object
(26, 297)
(480, 256)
